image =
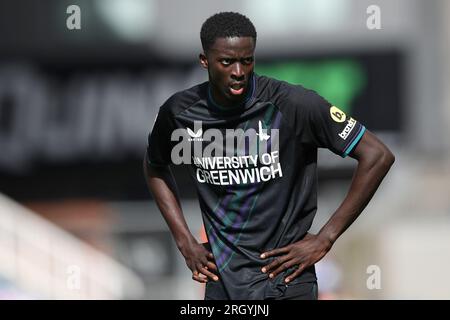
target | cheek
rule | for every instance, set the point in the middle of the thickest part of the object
(218, 75)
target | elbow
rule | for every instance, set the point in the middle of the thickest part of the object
(388, 158)
(385, 159)
(380, 158)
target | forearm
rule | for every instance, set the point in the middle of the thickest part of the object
(366, 180)
(162, 185)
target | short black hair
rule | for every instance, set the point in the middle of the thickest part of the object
(224, 25)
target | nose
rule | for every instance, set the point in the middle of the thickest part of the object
(237, 73)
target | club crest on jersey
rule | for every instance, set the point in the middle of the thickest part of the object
(263, 136)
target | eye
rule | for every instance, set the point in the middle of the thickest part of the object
(225, 62)
(248, 60)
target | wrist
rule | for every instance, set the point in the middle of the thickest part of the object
(185, 241)
(327, 237)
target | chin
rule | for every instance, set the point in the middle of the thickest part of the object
(236, 98)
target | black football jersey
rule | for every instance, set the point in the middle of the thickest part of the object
(254, 166)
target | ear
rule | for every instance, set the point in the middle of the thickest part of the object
(203, 60)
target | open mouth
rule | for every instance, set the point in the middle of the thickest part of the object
(237, 88)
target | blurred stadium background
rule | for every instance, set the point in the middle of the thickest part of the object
(76, 219)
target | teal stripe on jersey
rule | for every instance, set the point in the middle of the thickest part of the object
(358, 137)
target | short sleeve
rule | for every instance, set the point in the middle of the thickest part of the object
(322, 124)
(159, 140)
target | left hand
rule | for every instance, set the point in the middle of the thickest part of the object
(303, 253)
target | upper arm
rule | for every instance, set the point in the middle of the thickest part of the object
(159, 142)
(371, 148)
(319, 123)
(151, 170)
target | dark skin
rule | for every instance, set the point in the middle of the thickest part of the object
(230, 63)
(199, 258)
(374, 161)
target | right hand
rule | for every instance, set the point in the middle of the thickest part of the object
(200, 260)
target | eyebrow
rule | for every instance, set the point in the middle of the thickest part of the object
(232, 58)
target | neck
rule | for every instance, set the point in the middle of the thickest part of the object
(222, 103)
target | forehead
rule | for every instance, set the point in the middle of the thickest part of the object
(233, 46)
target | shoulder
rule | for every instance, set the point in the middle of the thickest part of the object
(282, 91)
(286, 95)
(183, 99)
